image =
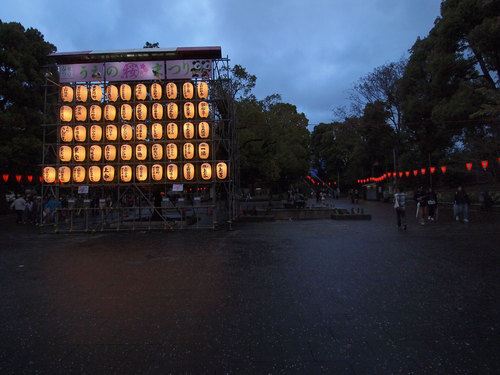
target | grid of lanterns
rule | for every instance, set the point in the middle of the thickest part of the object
(130, 131)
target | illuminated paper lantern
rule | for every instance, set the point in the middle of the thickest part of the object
(203, 109)
(141, 172)
(188, 150)
(80, 133)
(94, 173)
(221, 169)
(156, 172)
(126, 132)
(206, 171)
(188, 110)
(111, 132)
(172, 172)
(157, 131)
(110, 152)
(202, 90)
(140, 91)
(432, 169)
(484, 163)
(95, 113)
(141, 112)
(203, 150)
(125, 173)
(187, 90)
(109, 112)
(81, 93)
(80, 113)
(108, 173)
(141, 152)
(65, 153)
(157, 151)
(78, 174)
(156, 91)
(95, 153)
(469, 166)
(172, 111)
(443, 169)
(64, 174)
(66, 133)
(407, 173)
(171, 90)
(67, 94)
(112, 93)
(96, 93)
(96, 133)
(126, 112)
(49, 175)
(141, 132)
(188, 130)
(203, 129)
(172, 130)
(65, 113)
(125, 92)
(415, 172)
(126, 152)
(157, 111)
(79, 153)
(189, 171)
(171, 151)
(422, 170)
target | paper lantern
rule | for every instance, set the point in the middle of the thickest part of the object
(203, 150)
(415, 172)
(141, 112)
(172, 130)
(65, 153)
(112, 93)
(94, 173)
(78, 174)
(125, 173)
(108, 173)
(432, 169)
(422, 170)
(79, 153)
(484, 163)
(95, 153)
(65, 113)
(203, 129)
(157, 111)
(64, 174)
(407, 173)
(156, 172)
(221, 170)
(469, 166)
(141, 132)
(109, 112)
(188, 171)
(126, 132)
(156, 91)
(206, 171)
(49, 175)
(141, 152)
(66, 94)
(171, 90)
(202, 90)
(30, 178)
(187, 90)
(203, 109)
(188, 130)
(80, 113)
(140, 91)
(172, 111)
(126, 112)
(110, 152)
(157, 151)
(81, 93)
(188, 110)
(171, 151)
(96, 93)
(111, 132)
(125, 92)
(400, 174)
(80, 133)
(66, 133)
(443, 169)
(96, 133)
(95, 113)
(126, 152)
(172, 172)
(188, 150)
(141, 172)
(157, 131)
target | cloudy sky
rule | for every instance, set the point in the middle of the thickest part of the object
(308, 51)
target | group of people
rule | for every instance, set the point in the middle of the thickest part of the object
(26, 209)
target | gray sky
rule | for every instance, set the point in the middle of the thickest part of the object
(309, 51)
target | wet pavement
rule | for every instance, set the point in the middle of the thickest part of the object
(308, 297)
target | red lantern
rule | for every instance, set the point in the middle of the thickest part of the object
(485, 164)
(443, 169)
(18, 177)
(30, 178)
(40, 178)
(400, 174)
(469, 166)
(5, 177)
(407, 173)
(393, 174)
(422, 170)
(415, 172)
(433, 169)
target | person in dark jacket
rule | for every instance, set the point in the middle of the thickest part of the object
(420, 198)
(461, 205)
(432, 202)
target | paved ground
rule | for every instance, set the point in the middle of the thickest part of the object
(284, 297)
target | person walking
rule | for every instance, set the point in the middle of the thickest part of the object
(19, 205)
(461, 205)
(400, 207)
(432, 202)
(421, 199)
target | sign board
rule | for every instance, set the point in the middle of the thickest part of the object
(84, 189)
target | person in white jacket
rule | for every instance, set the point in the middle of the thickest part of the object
(18, 205)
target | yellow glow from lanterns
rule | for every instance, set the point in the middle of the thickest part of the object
(79, 153)
(141, 172)
(108, 173)
(125, 92)
(157, 151)
(65, 113)
(141, 152)
(126, 173)
(203, 129)
(172, 130)
(126, 152)
(157, 111)
(110, 152)
(96, 93)
(112, 93)
(187, 90)
(126, 112)
(67, 94)
(95, 113)
(188, 110)
(80, 133)
(171, 151)
(78, 174)
(172, 111)
(157, 131)
(203, 150)
(202, 90)
(65, 153)
(126, 132)
(188, 171)
(141, 112)
(171, 90)
(109, 112)
(95, 153)
(64, 174)
(111, 132)
(96, 133)
(172, 172)
(140, 91)
(188, 130)
(188, 150)
(221, 169)
(156, 172)
(206, 171)
(203, 109)
(94, 173)
(66, 133)
(141, 132)
(49, 175)
(156, 91)
(81, 93)
(80, 113)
